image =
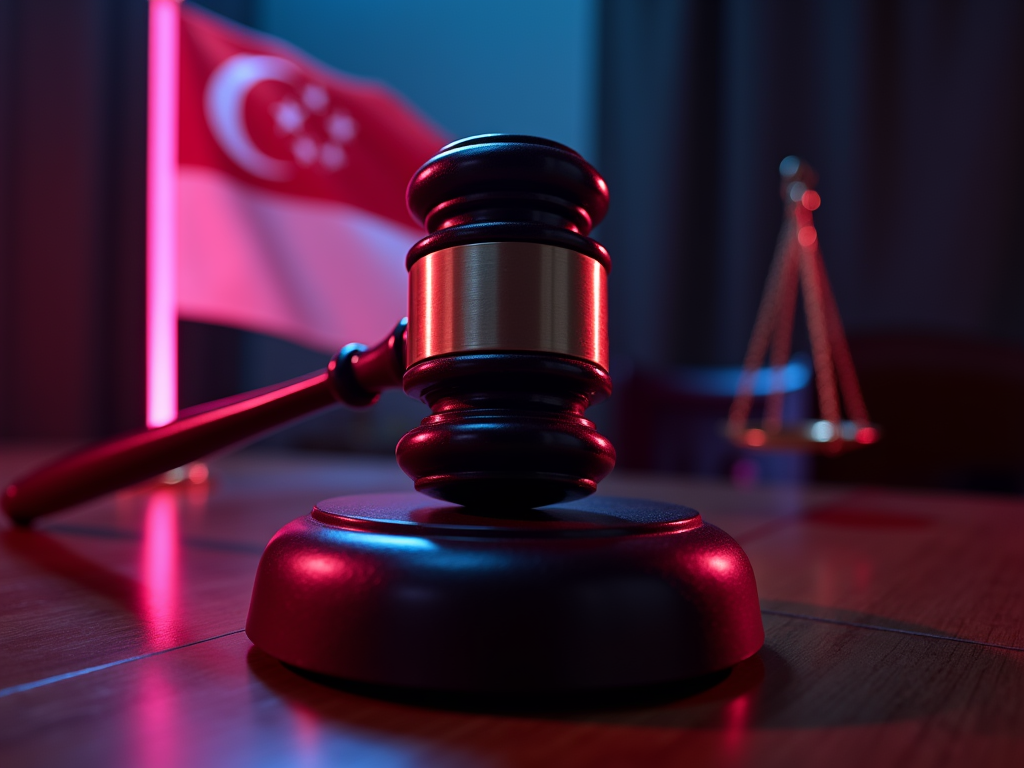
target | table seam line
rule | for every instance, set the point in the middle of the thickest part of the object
(23, 687)
(896, 630)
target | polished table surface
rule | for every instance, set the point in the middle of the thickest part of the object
(894, 622)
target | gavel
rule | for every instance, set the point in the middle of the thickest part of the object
(480, 592)
(506, 341)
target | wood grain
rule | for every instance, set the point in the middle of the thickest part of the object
(120, 629)
(818, 694)
(154, 567)
(75, 601)
(938, 565)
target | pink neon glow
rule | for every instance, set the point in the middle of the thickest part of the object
(811, 200)
(155, 734)
(306, 730)
(162, 216)
(159, 571)
(198, 473)
(756, 437)
(807, 236)
(866, 435)
(722, 565)
(736, 726)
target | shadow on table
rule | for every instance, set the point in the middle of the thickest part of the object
(47, 553)
(820, 673)
(290, 682)
(810, 674)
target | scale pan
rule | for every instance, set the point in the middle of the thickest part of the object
(811, 436)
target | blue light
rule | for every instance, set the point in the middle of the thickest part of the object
(724, 381)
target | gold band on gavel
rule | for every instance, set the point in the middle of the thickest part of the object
(509, 297)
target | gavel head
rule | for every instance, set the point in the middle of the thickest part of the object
(507, 338)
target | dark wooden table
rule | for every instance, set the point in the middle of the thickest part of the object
(894, 620)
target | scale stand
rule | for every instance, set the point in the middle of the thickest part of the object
(798, 263)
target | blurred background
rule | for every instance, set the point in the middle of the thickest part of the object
(910, 112)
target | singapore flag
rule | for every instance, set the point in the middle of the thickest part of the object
(291, 189)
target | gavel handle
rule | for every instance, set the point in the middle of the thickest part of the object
(355, 376)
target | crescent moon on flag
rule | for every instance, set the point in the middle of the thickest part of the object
(224, 104)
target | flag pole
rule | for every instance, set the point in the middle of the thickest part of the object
(162, 215)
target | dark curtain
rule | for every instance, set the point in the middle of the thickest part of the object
(72, 217)
(72, 224)
(912, 112)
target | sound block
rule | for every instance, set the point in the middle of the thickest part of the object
(402, 590)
